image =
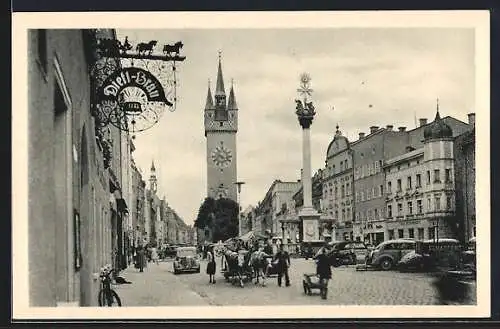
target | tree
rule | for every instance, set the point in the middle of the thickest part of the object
(225, 224)
(204, 213)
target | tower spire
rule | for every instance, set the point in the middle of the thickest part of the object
(209, 104)
(153, 165)
(231, 103)
(438, 117)
(219, 86)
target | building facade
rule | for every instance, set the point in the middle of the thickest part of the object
(465, 181)
(338, 187)
(74, 197)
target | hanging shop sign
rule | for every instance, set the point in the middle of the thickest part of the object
(127, 77)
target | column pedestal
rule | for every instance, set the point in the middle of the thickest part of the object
(310, 224)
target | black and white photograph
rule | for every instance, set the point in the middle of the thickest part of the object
(251, 165)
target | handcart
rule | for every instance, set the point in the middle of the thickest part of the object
(311, 281)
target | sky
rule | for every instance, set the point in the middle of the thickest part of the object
(360, 76)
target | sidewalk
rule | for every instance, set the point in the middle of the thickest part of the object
(156, 286)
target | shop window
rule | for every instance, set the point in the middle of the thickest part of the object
(391, 234)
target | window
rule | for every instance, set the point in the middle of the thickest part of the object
(362, 196)
(437, 203)
(411, 233)
(342, 191)
(399, 185)
(408, 183)
(336, 214)
(42, 48)
(381, 190)
(447, 175)
(421, 233)
(341, 165)
(391, 234)
(400, 209)
(376, 214)
(401, 233)
(448, 202)
(336, 192)
(428, 177)
(419, 181)
(347, 186)
(419, 206)
(333, 169)
(369, 215)
(348, 214)
(429, 205)
(368, 194)
(430, 232)
(389, 211)
(389, 187)
(343, 214)
(410, 208)
(437, 178)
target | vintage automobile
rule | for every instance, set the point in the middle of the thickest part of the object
(186, 260)
(348, 253)
(431, 254)
(388, 253)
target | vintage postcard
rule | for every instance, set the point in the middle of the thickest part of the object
(267, 165)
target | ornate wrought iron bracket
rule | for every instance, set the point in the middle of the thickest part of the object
(132, 86)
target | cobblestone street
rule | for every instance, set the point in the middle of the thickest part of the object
(158, 286)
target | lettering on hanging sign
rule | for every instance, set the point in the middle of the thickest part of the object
(133, 77)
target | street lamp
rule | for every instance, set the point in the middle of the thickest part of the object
(239, 207)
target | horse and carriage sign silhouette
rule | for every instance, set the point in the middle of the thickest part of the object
(134, 84)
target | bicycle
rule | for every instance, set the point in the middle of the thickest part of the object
(107, 296)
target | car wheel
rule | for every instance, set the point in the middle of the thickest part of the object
(386, 264)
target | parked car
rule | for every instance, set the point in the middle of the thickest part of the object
(430, 254)
(388, 253)
(186, 260)
(348, 252)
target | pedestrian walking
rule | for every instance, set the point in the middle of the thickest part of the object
(154, 256)
(211, 264)
(323, 270)
(140, 258)
(282, 260)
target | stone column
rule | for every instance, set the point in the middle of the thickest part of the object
(306, 161)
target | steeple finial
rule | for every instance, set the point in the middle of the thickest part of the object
(337, 132)
(153, 165)
(219, 87)
(438, 117)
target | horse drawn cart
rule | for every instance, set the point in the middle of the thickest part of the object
(237, 269)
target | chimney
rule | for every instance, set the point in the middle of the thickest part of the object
(402, 129)
(361, 135)
(472, 119)
(389, 127)
(423, 121)
(373, 129)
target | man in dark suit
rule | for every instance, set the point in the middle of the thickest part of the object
(323, 270)
(282, 260)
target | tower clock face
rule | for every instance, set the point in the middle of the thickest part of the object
(222, 156)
